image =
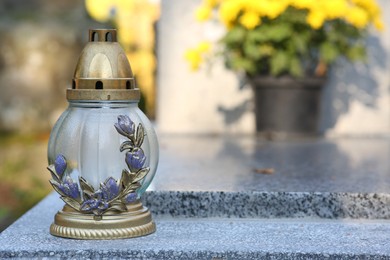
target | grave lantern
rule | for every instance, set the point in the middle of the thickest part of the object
(103, 151)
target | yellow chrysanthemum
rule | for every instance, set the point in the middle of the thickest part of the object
(253, 6)
(127, 5)
(228, 12)
(268, 8)
(204, 47)
(203, 13)
(315, 19)
(358, 17)
(378, 23)
(369, 5)
(373, 12)
(250, 20)
(194, 58)
(140, 60)
(125, 33)
(276, 8)
(100, 10)
(334, 8)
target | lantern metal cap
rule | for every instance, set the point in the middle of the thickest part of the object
(103, 71)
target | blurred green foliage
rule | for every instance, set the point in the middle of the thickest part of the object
(22, 173)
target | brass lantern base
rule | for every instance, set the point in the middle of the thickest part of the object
(137, 221)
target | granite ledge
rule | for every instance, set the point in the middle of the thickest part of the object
(329, 205)
(181, 255)
(205, 238)
(212, 238)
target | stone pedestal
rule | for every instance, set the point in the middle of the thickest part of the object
(242, 198)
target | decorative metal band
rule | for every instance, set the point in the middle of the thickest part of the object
(106, 84)
(112, 233)
(103, 94)
(113, 195)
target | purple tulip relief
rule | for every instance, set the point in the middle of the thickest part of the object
(131, 197)
(110, 189)
(60, 165)
(112, 194)
(69, 188)
(135, 159)
(94, 204)
(125, 126)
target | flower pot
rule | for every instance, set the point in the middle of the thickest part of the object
(287, 106)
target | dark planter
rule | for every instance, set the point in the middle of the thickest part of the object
(287, 106)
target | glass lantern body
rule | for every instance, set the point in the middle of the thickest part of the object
(85, 135)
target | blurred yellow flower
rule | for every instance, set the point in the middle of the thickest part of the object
(128, 5)
(358, 17)
(100, 10)
(194, 58)
(249, 12)
(325, 20)
(250, 20)
(203, 13)
(203, 47)
(334, 8)
(315, 19)
(275, 8)
(268, 8)
(378, 23)
(369, 5)
(228, 12)
(125, 33)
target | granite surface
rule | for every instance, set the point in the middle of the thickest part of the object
(200, 238)
(268, 204)
(213, 163)
(211, 176)
(212, 199)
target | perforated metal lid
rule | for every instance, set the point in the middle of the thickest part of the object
(103, 71)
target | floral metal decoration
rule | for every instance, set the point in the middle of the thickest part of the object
(112, 195)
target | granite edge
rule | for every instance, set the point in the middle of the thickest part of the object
(180, 254)
(328, 205)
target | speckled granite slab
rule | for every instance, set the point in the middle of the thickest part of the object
(326, 199)
(212, 163)
(205, 238)
(213, 176)
(269, 204)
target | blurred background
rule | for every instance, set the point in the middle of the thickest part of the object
(39, 47)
